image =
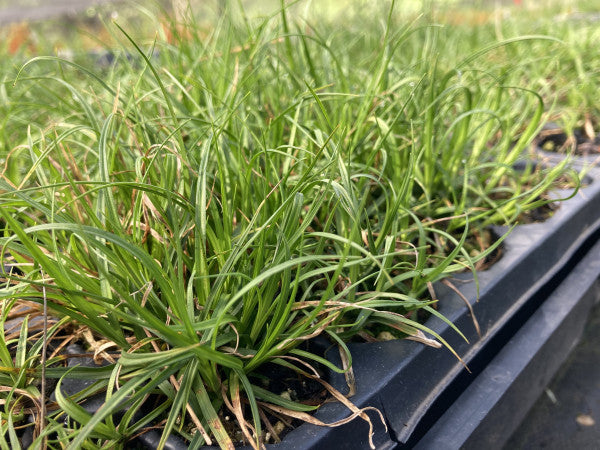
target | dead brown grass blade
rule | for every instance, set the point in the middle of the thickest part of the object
(464, 299)
(355, 412)
(420, 337)
(348, 372)
(271, 430)
(237, 410)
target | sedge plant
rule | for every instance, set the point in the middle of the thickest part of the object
(215, 200)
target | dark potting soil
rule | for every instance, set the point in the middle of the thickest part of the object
(486, 239)
(554, 139)
(292, 386)
(539, 214)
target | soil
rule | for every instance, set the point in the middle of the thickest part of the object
(292, 386)
(482, 241)
(539, 214)
(555, 139)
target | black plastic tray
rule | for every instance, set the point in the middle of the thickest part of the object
(414, 385)
(493, 406)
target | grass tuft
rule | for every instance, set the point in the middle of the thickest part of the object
(221, 194)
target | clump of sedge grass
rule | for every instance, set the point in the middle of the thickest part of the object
(209, 205)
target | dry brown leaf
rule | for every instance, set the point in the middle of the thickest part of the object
(314, 421)
(237, 410)
(270, 428)
(355, 412)
(24, 393)
(420, 337)
(464, 299)
(98, 346)
(349, 373)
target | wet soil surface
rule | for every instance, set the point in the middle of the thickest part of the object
(567, 416)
